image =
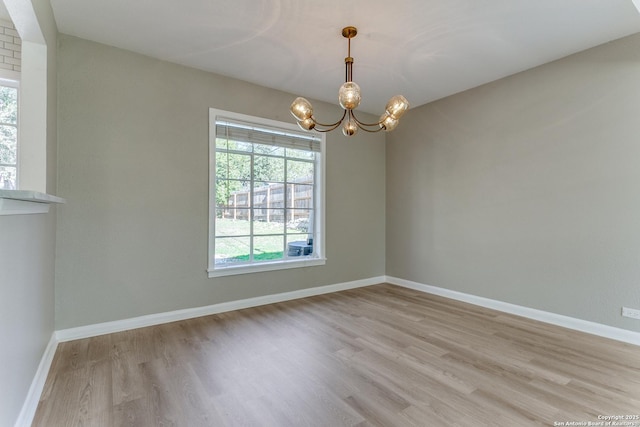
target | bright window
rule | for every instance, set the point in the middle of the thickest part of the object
(8, 134)
(266, 206)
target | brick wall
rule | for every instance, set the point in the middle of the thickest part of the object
(10, 47)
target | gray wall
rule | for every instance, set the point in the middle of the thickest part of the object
(27, 252)
(133, 166)
(526, 190)
(26, 304)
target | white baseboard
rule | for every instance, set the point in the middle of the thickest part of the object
(189, 313)
(28, 411)
(593, 328)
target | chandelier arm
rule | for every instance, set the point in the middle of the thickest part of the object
(332, 125)
(361, 124)
(326, 130)
(370, 130)
(364, 126)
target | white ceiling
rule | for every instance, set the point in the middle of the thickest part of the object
(423, 49)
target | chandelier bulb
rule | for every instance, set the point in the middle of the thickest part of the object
(388, 122)
(349, 96)
(349, 128)
(397, 106)
(307, 124)
(301, 109)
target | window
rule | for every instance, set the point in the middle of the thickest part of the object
(266, 206)
(8, 134)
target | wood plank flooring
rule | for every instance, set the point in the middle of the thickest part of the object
(375, 356)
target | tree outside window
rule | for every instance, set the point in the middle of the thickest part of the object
(8, 137)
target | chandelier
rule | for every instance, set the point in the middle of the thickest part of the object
(349, 98)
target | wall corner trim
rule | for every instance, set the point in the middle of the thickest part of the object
(592, 328)
(28, 411)
(189, 313)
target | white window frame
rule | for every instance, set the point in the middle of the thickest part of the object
(318, 257)
(12, 79)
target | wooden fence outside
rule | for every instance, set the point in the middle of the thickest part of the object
(269, 202)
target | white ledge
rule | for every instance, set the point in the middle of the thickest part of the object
(21, 202)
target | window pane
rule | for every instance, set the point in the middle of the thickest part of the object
(221, 165)
(268, 149)
(268, 195)
(300, 196)
(221, 143)
(268, 168)
(233, 166)
(240, 198)
(240, 146)
(8, 144)
(267, 248)
(8, 178)
(8, 105)
(231, 250)
(301, 154)
(268, 221)
(238, 166)
(261, 195)
(298, 171)
(232, 193)
(232, 222)
(299, 245)
(299, 221)
(223, 193)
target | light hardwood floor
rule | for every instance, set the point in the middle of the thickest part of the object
(381, 355)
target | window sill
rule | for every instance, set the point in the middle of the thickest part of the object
(270, 266)
(24, 202)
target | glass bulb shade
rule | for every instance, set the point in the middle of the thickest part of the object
(301, 109)
(349, 128)
(388, 122)
(307, 124)
(396, 106)
(349, 95)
